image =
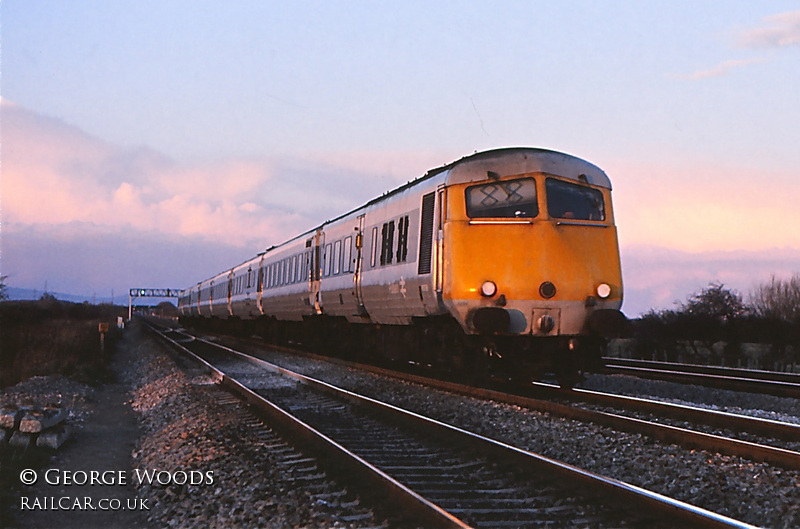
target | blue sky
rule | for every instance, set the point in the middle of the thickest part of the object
(218, 79)
(219, 128)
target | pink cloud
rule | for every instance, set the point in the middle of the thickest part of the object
(695, 206)
(55, 174)
(657, 277)
(777, 31)
(722, 69)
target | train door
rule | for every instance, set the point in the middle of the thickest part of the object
(316, 244)
(358, 268)
(260, 286)
(248, 290)
(439, 219)
(230, 293)
(431, 250)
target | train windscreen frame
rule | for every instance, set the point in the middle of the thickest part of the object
(566, 200)
(503, 199)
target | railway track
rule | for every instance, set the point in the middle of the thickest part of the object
(767, 382)
(753, 438)
(441, 475)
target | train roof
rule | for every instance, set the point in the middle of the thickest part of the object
(518, 160)
(504, 161)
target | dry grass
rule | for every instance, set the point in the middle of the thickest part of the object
(51, 337)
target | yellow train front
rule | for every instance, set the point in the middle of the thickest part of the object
(505, 260)
(530, 259)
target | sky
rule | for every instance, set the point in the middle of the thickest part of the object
(154, 144)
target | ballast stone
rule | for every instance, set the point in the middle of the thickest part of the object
(36, 421)
(54, 438)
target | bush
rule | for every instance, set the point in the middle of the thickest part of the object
(714, 326)
(50, 337)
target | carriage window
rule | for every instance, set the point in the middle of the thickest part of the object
(402, 239)
(566, 200)
(337, 256)
(387, 235)
(374, 246)
(327, 259)
(507, 199)
(348, 255)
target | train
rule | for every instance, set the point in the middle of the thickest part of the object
(503, 263)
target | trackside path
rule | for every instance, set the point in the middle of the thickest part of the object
(102, 444)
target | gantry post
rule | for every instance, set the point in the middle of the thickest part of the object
(149, 293)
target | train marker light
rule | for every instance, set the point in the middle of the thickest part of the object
(547, 290)
(488, 289)
(603, 290)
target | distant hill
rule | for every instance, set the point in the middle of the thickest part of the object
(21, 294)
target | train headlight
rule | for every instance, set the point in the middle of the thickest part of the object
(547, 323)
(603, 290)
(488, 289)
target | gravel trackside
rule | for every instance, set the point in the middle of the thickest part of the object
(757, 493)
(188, 426)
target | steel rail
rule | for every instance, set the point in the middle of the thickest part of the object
(788, 459)
(715, 418)
(374, 482)
(769, 387)
(624, 491)
(736, 372)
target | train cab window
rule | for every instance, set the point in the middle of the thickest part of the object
(507, 199)
(566, 200)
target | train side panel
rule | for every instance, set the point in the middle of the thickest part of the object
(242, 290)
(285, 275)
(338, 268)
(395, 288)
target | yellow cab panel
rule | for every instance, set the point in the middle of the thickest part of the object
(543, 245)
